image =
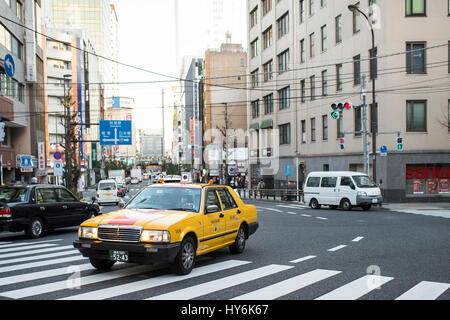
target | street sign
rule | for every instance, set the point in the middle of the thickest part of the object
(288, 170)
(186, 177)
(10, 66)
(57, 155)
(115, 132)
(383, 151)
(57, 169)
(25, 161)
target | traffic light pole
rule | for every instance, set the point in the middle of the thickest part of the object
(364, 119)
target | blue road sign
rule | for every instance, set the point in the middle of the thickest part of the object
(115, 132)
(10, 66)
(25, 161)
(383, 149)
(57, 155)
(288, 170)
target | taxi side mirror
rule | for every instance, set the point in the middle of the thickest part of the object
(121, 204)
(212, 208)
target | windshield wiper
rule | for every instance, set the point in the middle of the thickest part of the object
(181, 209)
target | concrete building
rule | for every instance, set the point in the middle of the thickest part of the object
(225, 108)
(22, 107)
(151, 144)
(305, 55)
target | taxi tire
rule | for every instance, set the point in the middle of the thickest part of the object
(314, 204)
(239, 244)
(101, 264)
(185, 260)
(35, 229)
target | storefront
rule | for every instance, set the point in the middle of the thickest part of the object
(428, 179)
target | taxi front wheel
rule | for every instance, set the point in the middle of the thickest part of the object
(185, 259)
(239, 244)
(102, 264)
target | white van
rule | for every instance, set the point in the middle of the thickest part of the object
(344, 189)
(107, 192)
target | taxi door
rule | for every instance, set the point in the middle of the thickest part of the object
(213, 221)
(232, 214)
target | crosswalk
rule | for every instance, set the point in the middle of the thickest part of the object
(35, 270)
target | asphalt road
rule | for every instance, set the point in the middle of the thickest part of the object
(297, 253)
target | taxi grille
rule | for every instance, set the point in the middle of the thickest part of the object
(119, 233)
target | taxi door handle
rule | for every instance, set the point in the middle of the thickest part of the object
(64, 207)
(221, 215)
(42, 208)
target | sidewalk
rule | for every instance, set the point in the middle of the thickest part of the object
(418, 206)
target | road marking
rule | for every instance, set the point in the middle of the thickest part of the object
(357, 288)
(43, 256)
(337, 248)
(321, 218)
(42, 274)
(305, 215)
(25, 247)
(40, 264)
(3, 243)
(425, 290)
(290, 212)
(302, 259)
(155, 282)
(290, 206)
(273, 209)
(61, 285)
(26, 243)
(287, 286)
(220, 284)
(24, 253)
(357, 239)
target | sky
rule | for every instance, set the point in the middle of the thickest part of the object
(147, 33)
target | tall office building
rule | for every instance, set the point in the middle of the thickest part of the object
(305, 55)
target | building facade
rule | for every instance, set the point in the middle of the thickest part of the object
(150, 144)
(306, 55)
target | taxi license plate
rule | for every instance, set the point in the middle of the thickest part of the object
(117, 255)
(374, 200)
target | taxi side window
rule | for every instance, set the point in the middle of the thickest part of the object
(328, 182)
(346, 181)
(211, 199)
(64, 195)
(46, 196)
(227, 200)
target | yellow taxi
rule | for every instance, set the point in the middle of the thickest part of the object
(171, 223)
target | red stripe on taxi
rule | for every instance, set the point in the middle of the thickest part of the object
(125, 222)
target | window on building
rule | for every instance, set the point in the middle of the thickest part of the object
(323, 3)
(283, 61)
(448, 124)
(311, 8)
(358, 121)
(255, 109)
(303, 125)
(416, 116)
(373, 62)
(302, 50)
(313, 129)
(376, 117)
(312, 81)
(255, 78)
(285, 133)
(415, 57)
(266, 6)
(11, 87)
(302, 11)
(267, 38)
(415, 7)
(338, 77)
(324, 82)
(357, 70)
(254, 48)
(311, 45)
(283, 25)
(372, 11)
(338, 28)
(302, 91)
(284, 98)
(254, 17)
(323, 38)
(356, 19)
(267, 68)
(324, 127)
(268, 103)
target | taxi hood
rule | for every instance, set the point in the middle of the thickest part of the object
(146, 218)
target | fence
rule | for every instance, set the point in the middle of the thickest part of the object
(271, 194)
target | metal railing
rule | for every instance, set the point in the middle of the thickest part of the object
(271, 194)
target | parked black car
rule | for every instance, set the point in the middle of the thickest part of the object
(36, 208)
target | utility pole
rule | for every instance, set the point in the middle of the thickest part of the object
(364, 119)
(163, 127)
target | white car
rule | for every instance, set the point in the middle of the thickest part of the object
(107, 192)
(344, 189)
(134, 180)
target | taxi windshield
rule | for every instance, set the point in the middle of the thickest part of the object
(167, 198)
(364, 182)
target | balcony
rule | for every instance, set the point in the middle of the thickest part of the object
(6, 108)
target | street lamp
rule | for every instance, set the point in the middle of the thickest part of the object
(353, 8)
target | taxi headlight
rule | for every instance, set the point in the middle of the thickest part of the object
(155, 236)
(88, 232)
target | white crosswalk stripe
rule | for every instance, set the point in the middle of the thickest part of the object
(9, 245)
(30, 252)
(223, 283)
(155, 282)
(28, 247)
(287, 286)
(40, 264)
(273, 209)
(425, 290)
(40, 257)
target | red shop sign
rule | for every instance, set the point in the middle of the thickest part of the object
(422, 172)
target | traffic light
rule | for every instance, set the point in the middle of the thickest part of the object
(348, 106)
(399, 144)
(342, 143)
(2, 131)
(335, 115)
(339, 107)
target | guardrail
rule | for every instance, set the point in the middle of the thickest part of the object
(271, 194)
